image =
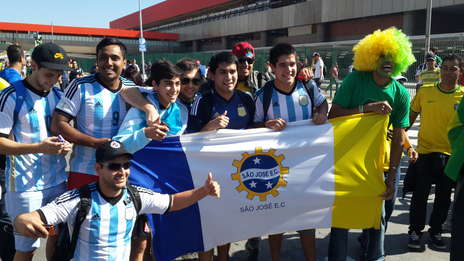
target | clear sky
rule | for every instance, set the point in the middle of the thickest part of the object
(85, 13)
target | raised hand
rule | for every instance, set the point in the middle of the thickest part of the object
(212, 187)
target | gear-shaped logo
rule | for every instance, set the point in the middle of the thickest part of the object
(260, 173)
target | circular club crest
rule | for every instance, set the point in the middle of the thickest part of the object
(260, 174)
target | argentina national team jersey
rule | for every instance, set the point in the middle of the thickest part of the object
(97, 111)
(239, 107)
(131, 132)
(106, 231)
(30, 124)
(295, 106)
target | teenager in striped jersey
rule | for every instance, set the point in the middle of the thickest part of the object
(97, 104)
(289, 101)
(106, 231)
(35, 167)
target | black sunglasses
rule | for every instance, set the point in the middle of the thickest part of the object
(246, 59)
(117, 166)
(195, 81)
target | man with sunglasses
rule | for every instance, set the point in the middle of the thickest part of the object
(105, 233)
(190, 81)
(248, 80)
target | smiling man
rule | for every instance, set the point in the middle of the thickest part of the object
(105, 232)
(225, 107)
(436, 106)
(287, 99)
(371, 89)
(249, 80)
(97, 105)
(190, 81)
(222, 108)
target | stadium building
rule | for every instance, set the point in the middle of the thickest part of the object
(205, 25)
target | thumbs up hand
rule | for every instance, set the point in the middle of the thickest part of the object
(220, 122)
(212, 187)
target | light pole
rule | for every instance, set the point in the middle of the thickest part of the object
(428, 26)
(142, 46)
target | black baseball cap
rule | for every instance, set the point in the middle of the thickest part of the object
(51, 56)
(111, 150)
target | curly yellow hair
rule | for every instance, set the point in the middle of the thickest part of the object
(390, 42)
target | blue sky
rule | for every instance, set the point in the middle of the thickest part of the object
(85, 13)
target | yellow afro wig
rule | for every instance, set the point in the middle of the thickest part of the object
(390, 42)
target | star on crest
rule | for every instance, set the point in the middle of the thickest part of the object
(257, 161)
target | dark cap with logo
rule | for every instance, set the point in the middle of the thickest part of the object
(111, 150)
(51, 56)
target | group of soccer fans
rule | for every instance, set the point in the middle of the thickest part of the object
(104, 119)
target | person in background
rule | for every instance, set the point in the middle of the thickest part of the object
(249, 80)
(436, 106)
(17, 61)
(318, 67)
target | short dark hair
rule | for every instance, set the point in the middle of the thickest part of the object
(130, 72)
(14, 53)
(112, 41)
(222, 57)
(164, 69)
(279, 50)
(187, 64)
(452, 57)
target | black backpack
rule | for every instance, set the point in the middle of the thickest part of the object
(267, 95)
(66, 246)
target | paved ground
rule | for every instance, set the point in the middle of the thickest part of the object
(395, 240)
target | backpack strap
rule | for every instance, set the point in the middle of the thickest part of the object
(84, 208)
(134, 194)
(310, 90)
(267, 96)
(260, 80)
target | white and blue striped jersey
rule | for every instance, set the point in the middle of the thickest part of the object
(295, 106)
(106, 231)
(97, 112)
(131, 133)
(30, 124)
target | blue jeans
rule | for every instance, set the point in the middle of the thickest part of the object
(372, 239)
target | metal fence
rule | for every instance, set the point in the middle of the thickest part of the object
(333, 52)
